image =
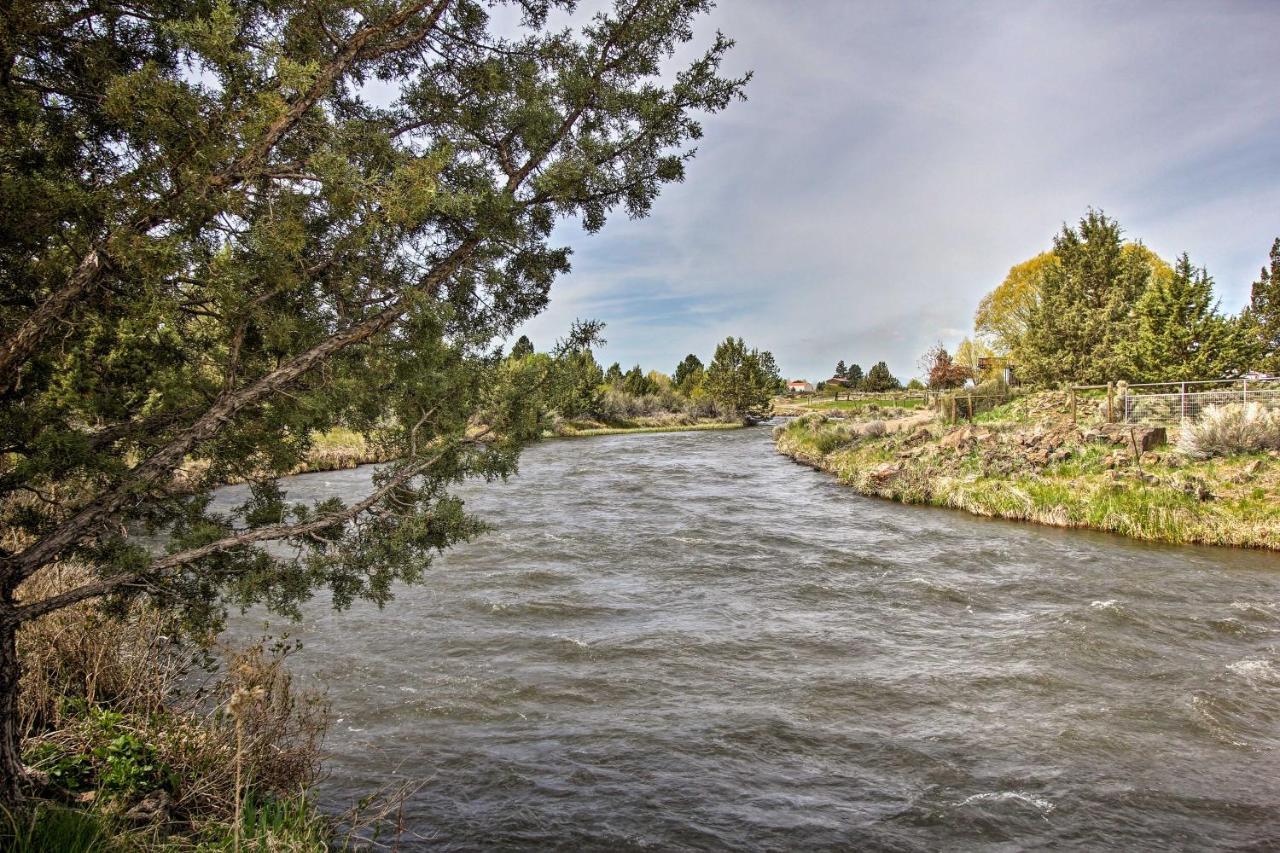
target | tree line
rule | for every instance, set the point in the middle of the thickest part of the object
(1096, 307)
(878, 378)
(738, 383)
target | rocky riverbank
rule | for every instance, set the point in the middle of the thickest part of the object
(1029, 462)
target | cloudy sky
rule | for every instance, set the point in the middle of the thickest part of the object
(895, 159)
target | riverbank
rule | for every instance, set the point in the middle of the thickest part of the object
(587, 431)
(1044, 469)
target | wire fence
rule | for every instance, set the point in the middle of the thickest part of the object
(1174, 402)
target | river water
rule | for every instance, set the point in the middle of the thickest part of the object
(685, 641)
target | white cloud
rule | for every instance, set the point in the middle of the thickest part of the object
(895, 160)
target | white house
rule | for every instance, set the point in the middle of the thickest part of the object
(799, 386)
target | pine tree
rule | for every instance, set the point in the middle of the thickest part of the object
(1178, 335)
(854, 375)
(613, 376)
(841, 370)
(1263, 316)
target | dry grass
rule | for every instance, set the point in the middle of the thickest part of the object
(94, 684)
(1233, 501)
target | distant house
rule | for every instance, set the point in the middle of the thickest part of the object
(799, 386)
(839, 382)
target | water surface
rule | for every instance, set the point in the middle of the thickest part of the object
(685, 641)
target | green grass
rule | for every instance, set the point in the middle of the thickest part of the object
(1079, 491)
(862, 403)
(46, 828)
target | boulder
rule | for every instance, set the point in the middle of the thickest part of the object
(1125, 435)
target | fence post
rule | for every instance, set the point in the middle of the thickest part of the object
(1184, 401)
(1244, 395)
(953, 408)
(1111, 396)
(970, 408)
(1073, 404)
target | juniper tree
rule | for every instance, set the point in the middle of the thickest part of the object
(1177, 333)
(1076, 324)
(522, 347)
(854, 375)
(688, 373)
(741, 380)
(1263, 316)
(216, 243)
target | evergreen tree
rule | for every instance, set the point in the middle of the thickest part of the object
(613, 376)
(880, 379)
(636, 383)
(738, 380)
(841, 370)
(688, 374)
(854, 375)
(214, 244)
(1263, 316)
(522, 347)
(575, 389)
(1081, 316)
(1178, 335)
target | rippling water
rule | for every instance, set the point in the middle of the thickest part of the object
(685, 641)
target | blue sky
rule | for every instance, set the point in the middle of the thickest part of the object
(895, 159)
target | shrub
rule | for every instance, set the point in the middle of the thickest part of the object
(874, 429)
(1225, 430)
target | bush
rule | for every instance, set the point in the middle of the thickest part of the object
(1226, 430)
(875, 429)
(109, 705)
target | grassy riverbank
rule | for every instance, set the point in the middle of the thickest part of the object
(1048, 471)
(587, 431)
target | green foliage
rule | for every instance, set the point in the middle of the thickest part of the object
(854, 375)
(742, 380)
(118, 762)
(841, 370)
(46, 828)
(1077, 324)
(1263, 315)
(236, 260)
(915, 385)
(637, 383)
(1176, 333)
(614, 376)
(522, 347)
(880, 379)
(688, 374)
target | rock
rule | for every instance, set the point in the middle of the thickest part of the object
(1125, 435)
(1197, 488)
(965, 437)
(884, 472)
(154, 808)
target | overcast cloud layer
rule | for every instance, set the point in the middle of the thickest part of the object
(894, 160)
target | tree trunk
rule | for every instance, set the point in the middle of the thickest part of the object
(11, 769)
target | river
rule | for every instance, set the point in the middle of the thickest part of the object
(685, 641)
